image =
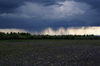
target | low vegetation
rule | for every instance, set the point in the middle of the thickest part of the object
(29, 36)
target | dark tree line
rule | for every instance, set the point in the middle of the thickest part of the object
(29, 36)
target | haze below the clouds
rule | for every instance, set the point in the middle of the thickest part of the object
(61, 31)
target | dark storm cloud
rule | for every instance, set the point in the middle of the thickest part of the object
(37, 25)
(22, 23)
(95, 4)
(37, 15)
(9, 6)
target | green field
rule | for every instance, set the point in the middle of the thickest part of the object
(49, 52)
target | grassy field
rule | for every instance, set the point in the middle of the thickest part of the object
(49, 52)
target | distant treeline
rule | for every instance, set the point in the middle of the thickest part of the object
(29, 36)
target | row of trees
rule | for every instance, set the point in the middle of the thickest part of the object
(29, 36)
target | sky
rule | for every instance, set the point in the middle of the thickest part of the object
(51, 17)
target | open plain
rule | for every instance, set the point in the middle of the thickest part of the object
(49, 52)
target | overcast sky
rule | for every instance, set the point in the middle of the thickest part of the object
(37, 16)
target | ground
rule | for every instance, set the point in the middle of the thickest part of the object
(50, 53)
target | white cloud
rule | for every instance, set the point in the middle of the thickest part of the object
(12, 30)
